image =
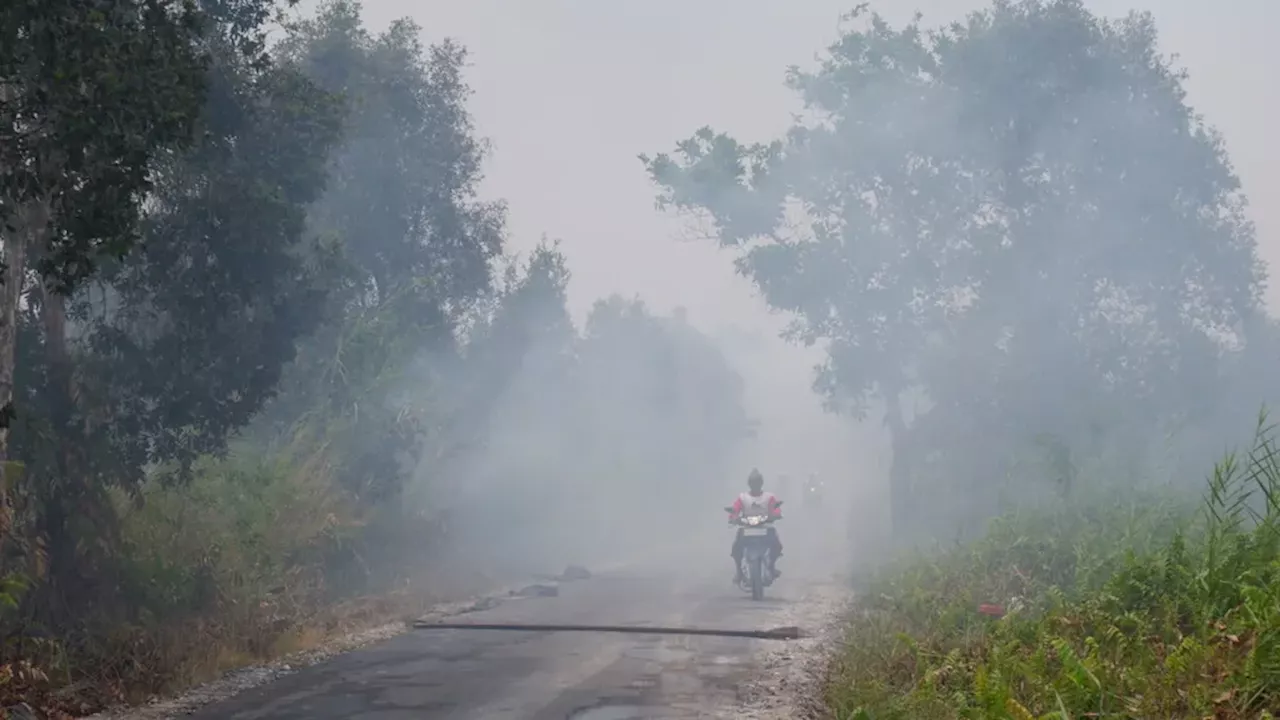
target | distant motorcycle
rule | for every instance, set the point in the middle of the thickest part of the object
(756, 574)
(813, 494)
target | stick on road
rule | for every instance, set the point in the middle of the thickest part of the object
(789, 632)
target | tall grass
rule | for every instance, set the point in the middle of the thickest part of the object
(1133, 608)
(249, 560)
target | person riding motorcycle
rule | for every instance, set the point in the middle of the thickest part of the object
(755, 499)
(813, 491)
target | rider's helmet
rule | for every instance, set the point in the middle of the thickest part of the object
(755, 481)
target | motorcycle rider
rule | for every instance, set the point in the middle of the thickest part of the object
(755, 499)
(813, 491)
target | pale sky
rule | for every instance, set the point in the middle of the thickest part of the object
(570, 91)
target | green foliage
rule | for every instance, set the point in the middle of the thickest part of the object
(187, 339)
(267, 406)
(249, 529)
(416, 244)
(199, 142)
(403, 190)
(1120, 609)
(523, 329)
(1015, 222)
(80, 158)
(164, 354)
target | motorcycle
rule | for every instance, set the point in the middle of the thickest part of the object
(756, 574)
(813, 494)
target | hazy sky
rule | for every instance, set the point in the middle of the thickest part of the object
(569, 91)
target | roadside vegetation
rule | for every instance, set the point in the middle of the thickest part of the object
(1032, 260)
(269, 366)
(267, 361)
(1124, 607)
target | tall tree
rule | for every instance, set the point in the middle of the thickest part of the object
(89, 92)
(403, 195)
(417, 243)
(518, 362)
(661, 404)
(166, 352)
(1017, 216)
(574, 424)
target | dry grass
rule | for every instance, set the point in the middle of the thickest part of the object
(230, 570)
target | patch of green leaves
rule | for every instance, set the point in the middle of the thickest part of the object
(1135, 609)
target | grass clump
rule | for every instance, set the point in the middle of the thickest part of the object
(258, 555)
(1141, 609)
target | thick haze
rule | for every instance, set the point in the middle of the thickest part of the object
(568, 93)
(412, 293)
(430, 310)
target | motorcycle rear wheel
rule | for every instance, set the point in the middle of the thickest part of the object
(757, 578)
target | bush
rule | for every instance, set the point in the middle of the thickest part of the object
(234, 566)
(245, 528)
(1134, 609)
(215, 573)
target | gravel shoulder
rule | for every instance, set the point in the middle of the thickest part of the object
(788, 680)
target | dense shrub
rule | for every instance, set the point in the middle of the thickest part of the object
(1131, 608)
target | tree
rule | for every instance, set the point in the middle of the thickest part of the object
(1016, 217)
(661, 405)
(576, 423)
(88, 93)
(526, 333)
(403, 191)
(492, 414)
(166, 352)
(417, 244)
(201, 323)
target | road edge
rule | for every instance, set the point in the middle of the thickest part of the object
(234, 682)
(789, 680)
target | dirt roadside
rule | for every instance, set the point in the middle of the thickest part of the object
(789, 678)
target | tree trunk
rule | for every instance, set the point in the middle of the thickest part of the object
(13, 247)
(17, 233)
(899, 470)
(14, 258)
(68, 494)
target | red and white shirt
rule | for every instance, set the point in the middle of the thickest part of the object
(766, 503)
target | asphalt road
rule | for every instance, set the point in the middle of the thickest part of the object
(492, 674)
